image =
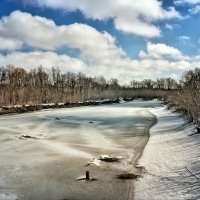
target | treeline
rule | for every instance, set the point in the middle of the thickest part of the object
(183, 95)
(18, 86)
(162, 84)
(38, 86)
(186, 99)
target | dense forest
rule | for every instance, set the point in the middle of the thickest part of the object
(38, 86)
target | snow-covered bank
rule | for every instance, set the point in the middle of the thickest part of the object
(171, 159)
(14, 109)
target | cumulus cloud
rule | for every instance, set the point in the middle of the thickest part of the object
(162, 51)
(41, 33)
(96, 48)
(136, 18)
(47, 59)
(10, 44)
(99, 54)
(158, 61)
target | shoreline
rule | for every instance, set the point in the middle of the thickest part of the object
(136, 166)
(18, 109)
(31, 108)
(154, 122)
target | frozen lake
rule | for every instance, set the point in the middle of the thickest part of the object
(46, 168)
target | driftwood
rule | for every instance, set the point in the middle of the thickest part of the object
(107, 158)
(28, 137)
(110, 159)
(128, 176)
(87, 174)
(86, 178)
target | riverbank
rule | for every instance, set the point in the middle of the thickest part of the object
(64, 141)
(171, 160)
(30, 108)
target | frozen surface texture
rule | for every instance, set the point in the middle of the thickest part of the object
(46, 166)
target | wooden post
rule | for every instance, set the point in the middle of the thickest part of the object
(87, 174)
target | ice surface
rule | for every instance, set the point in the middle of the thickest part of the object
(170, 151)
(46, 168)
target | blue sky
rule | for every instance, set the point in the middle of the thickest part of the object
(129, 39)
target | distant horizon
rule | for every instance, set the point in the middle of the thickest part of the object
(125, 40)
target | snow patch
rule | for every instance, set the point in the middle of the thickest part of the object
(167, 155)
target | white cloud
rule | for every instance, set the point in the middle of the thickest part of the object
(169, 26)
(9, 44)
(159, 60)
(182, 2)
(99, 54)
(172, 26)
(47, 59)
(183, 39)
(195, 10)
(42, 33)
(162, 51)
(132, 17)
